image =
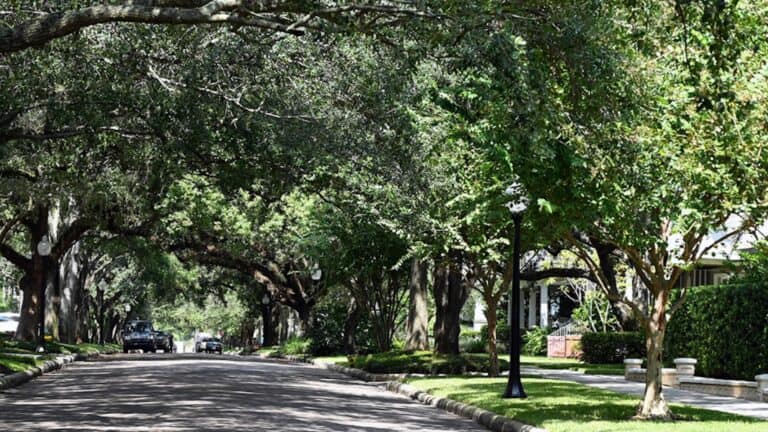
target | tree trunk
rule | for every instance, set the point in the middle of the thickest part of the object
(493, 355)
(71, 296)
(350, 326)
(418, 313)
(654, 405)
(450, 295)
(269, 314)
(53, 283)
(30, 305)
(304, 320)
(440, 294)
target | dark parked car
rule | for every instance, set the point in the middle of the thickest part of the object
(164, 341)
(212, 345)
(139, 334)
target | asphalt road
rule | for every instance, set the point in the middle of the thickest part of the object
(188, 393)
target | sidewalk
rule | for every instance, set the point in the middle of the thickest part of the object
(619, 385)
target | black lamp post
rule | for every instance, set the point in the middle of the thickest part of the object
(266, 328)
(44, 250)
(517, 208)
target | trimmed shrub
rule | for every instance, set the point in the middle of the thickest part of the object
(424, 362)
(502, 333)
(535, 341)
(725, 328)
(601, 348)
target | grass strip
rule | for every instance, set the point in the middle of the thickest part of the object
(561, 406)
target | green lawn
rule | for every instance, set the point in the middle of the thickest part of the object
(341, 359)
(573, 364)
(10, 363)
(560, 406)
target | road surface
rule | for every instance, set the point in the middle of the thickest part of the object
(186, 393)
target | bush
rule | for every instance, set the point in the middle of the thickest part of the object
(535, 341)
(327, 328)
(424, 362)
(502, 333)
(475, 346)
(612, 347)
(296, 346)
(725, 328)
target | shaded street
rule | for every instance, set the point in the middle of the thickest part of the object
(189, 394)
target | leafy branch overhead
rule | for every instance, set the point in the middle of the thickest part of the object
(289, 17)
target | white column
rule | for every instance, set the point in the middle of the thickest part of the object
(544, 307)
(628, 290)
(532, 307)
(522, 305)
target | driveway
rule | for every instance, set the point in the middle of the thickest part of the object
(182, 393)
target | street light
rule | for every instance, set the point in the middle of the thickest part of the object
(44, 250)
(317, 274)
(517, 207)
(265, 299)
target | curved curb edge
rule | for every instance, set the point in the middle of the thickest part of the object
(19, 378)
(393, 383)
(492, 421)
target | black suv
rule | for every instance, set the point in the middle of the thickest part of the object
(139, 334)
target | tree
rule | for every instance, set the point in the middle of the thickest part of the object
(648, 163)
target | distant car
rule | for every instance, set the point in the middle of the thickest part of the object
(164, 341)
(213, 345)
(200, 339)
(139, 334)
(9, 322)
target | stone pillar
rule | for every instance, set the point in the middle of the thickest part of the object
(686, 367)
(544, 307)
(762, 387)
(532, 307)
(631, 364)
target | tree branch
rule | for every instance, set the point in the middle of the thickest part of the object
(14, 257)
(244, 13)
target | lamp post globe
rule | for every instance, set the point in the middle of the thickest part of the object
(317, 274)
(517, 206)
(265, 299)
(44, 247)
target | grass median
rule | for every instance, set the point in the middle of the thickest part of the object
(561, 406)
(18, 356)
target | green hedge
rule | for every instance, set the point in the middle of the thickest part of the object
(424, 362)
(612, 347)
(725, 328)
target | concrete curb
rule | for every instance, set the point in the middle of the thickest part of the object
(492, 421)
(393, 383)
(19, 378)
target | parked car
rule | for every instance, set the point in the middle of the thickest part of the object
(9, 322)
(139, 334)
(164, 341)
(213, 345)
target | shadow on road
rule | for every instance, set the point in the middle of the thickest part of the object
(219, 394)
